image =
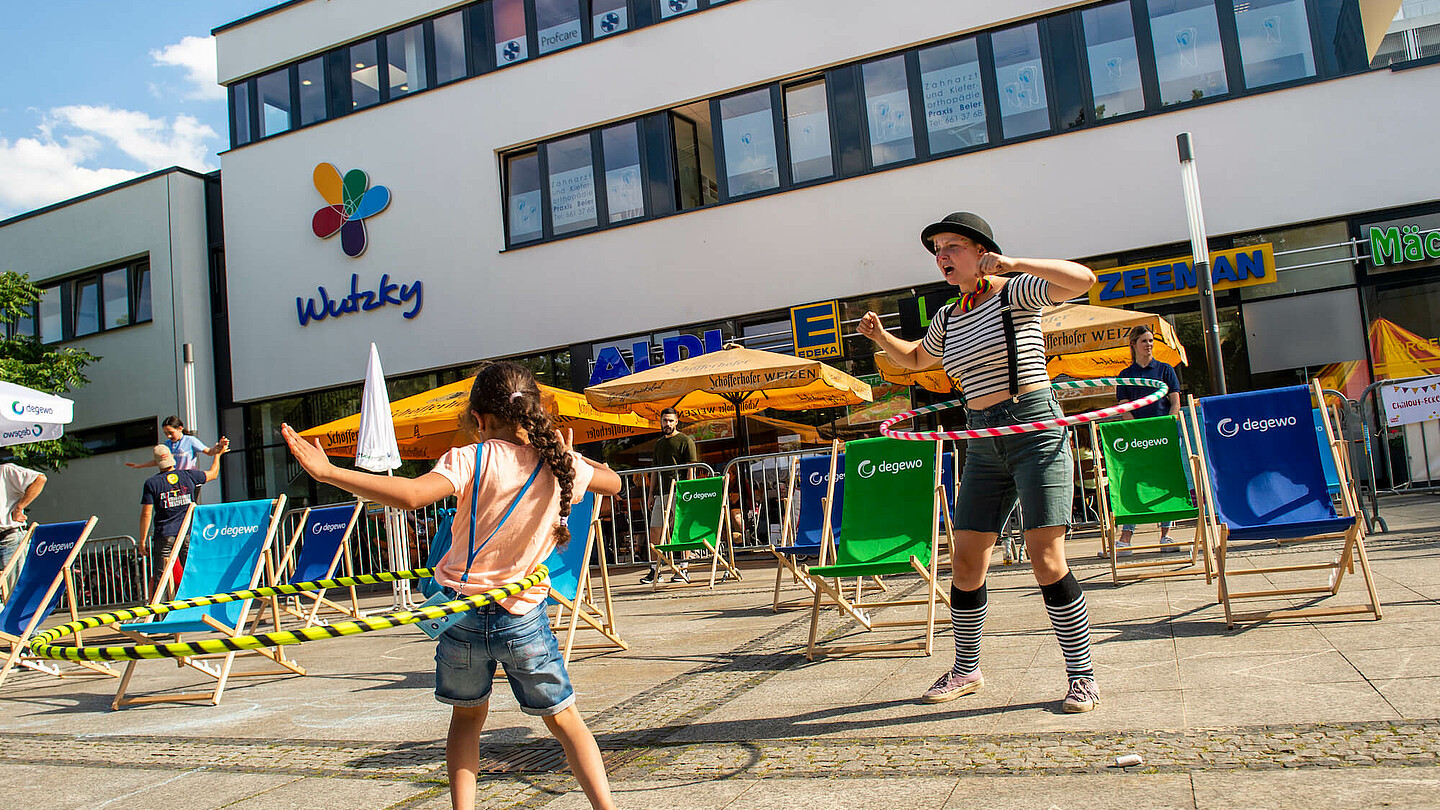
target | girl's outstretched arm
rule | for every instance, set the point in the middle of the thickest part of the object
(402, 493)
(603, 480)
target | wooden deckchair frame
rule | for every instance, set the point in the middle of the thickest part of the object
(17, 655)
(717, 557)
(1352, 549)
(860, 611)
(223, 673)
(583, 612)
(1199, 562)
(285, 569)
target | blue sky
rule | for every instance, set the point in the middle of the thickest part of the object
(98, 92)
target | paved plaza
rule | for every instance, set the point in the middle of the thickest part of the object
(714, 705)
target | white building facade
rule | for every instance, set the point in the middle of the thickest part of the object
(568, 181)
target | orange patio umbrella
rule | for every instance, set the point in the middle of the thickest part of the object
(428, 424)
(1397, 352)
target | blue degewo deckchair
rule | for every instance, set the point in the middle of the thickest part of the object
(227, 543)
(1264, 480)
(322, 536)
(45, 559)
(572, 587)
(818, 481)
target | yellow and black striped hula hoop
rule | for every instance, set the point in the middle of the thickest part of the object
(43, 644)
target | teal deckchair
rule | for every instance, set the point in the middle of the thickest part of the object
(894, 502)
(699, 509)
(572, 589)
(45, 559)
(1140, 480)
(227, 543)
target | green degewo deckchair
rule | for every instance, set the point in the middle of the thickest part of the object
(894, 501)
(699, 509)
(1141, 481)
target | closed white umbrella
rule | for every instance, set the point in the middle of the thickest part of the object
(377, 451)
(27, 415)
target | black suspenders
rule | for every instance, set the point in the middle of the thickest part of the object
(1012, 346)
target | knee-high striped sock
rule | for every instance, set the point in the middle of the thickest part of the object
(967, 619)
(1065, 603)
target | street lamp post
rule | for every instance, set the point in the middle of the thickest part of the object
(1200, 257)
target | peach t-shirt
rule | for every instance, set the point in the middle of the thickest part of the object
(527, 537)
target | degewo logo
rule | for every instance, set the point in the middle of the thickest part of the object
(41, 549)
(817, 478)
(867, 468)
(33, 431)
(349, 201)
(34, 410)
(1229, 428)
(212, 531)
(698, 496)
(321, 528)
(1121, 444)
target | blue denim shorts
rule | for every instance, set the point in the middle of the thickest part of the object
(466, 655)
(1035, 466)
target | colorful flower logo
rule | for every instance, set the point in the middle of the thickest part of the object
(349, 202)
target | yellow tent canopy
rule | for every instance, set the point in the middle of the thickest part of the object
(1397, 353)
(730, 382)
(428, 424)
(1081, 341)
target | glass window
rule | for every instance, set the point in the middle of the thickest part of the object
(87, 306)
(275, 102)
(450, 47)
(1114, 61)
(557, 24)
(807, 128)
(312, 91)
(1310, 257)
(887, 111)
(25, 324)
(141, 305)
(572, 184)
(240, 112)
(364, 75)
(695, 183)
(1187, 50)
(116, 288)
(1020, 77)
(671, 8)
(747, 130)
(624, 188)
(51, 324)
(508, 17)
(522, 183)
(608, 17)
(954, 99)
(1274, 41)
(405, 51)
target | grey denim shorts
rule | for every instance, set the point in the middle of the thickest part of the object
(1036, 467)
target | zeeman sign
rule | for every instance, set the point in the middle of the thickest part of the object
(1168, 278)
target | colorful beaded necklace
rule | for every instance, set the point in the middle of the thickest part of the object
(967, 300)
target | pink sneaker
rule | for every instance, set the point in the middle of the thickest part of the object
(951, 686)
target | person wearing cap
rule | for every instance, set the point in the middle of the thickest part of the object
(164, 500)
(990, 340)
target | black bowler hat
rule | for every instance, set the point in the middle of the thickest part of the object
(964, 223)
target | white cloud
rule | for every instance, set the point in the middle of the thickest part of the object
(59, 162)
(40, 171)
(196, 56)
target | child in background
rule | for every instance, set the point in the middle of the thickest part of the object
(519, 443)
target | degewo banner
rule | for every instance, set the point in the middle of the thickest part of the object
(1412, 401)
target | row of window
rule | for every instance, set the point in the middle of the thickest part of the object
(100, 301)
(1107, 62)
(476, 39)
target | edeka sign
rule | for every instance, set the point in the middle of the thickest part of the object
(610, 361)
(1238, 267)
(816, 328)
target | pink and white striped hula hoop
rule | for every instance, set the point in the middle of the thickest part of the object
(1027, 427)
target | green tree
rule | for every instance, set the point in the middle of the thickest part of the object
(26, 361)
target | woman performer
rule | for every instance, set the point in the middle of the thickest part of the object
(990, 340)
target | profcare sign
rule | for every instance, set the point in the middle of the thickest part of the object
(1411, 402)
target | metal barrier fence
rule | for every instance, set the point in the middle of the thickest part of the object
(626, 518)
(111, 572)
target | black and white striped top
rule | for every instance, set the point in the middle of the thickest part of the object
(972, 344)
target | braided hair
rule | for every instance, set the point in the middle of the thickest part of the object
(509, 392)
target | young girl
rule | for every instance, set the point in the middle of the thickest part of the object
(507, 416)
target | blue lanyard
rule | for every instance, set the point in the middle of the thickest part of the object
(474, 499)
